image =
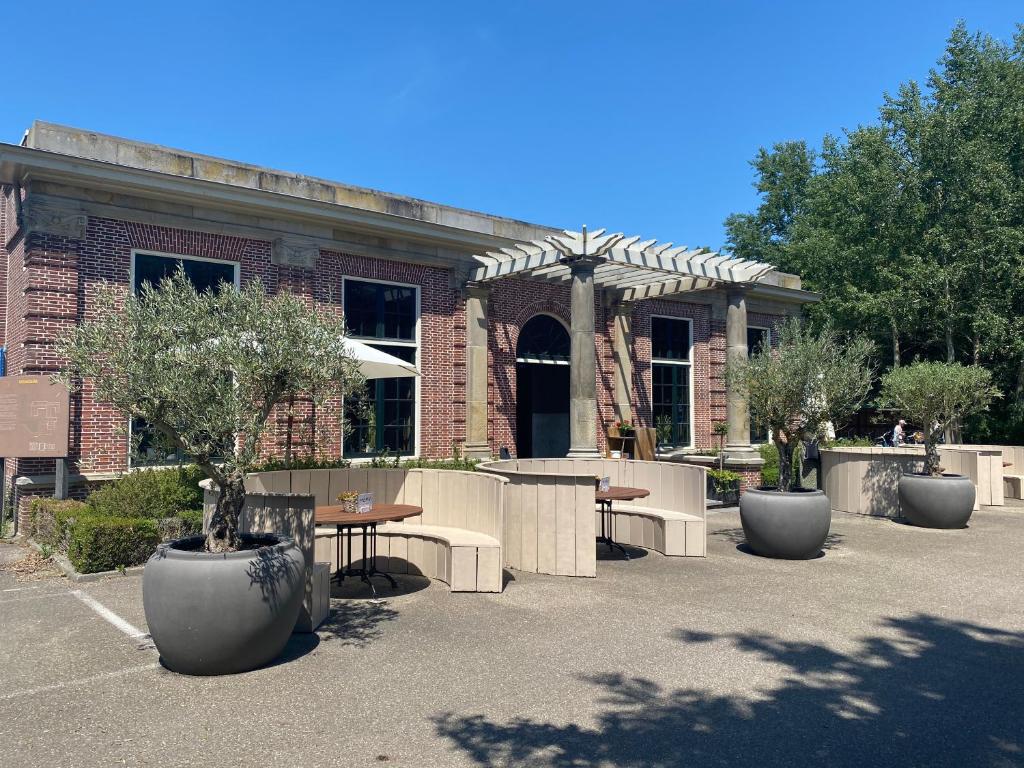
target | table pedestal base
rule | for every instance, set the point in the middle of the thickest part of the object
(606, 529)
(369, 569)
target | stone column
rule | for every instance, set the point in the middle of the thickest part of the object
(737, 409)
(622, 328)
(583, 365)
(477, 445)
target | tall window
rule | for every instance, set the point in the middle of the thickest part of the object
(671, 352)
(205, 275)
(757, 339)
(385, 419)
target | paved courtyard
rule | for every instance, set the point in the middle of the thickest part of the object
(900, 646)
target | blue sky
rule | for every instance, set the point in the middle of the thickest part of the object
(639, 117)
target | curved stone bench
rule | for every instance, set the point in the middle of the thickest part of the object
(457, 539)
(551, 518)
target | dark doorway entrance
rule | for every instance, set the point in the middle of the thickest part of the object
(542, 389)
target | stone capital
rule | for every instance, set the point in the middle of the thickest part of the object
(298, 252)
(47, 217)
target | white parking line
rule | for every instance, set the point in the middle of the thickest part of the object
(80, 681)
(131, 630)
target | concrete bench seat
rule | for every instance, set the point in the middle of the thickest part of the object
(676, 534)
(1013, 486)
(467, 561)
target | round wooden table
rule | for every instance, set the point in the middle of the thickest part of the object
(605, 499)
(347, 522)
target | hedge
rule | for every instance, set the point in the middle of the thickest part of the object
(49, 520)
(152, 493)
(97, 543)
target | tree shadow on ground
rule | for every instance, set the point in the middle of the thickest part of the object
(355, 623)
(736, 536)
(923, 691)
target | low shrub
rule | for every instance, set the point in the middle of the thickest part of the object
(302, 462)
(152, 493)
(465, 465)
(849, 442)
(723, 479)
(98, 543)
(187, 523)
(50, 519)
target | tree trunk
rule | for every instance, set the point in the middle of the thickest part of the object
(223, 532)
(950, 349)
(785, 450)
(895, 344)
(290, 429)
(976, 356)
(931, 457)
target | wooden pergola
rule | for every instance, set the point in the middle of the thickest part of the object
(627, 269)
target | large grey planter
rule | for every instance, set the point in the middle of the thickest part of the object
(946, 501)
(217, 614)
(791, 525)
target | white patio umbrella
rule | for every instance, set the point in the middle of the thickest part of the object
(374, 364)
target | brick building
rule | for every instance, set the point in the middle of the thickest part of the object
(498, 341)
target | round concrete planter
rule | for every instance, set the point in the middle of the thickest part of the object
(217, 614)
(791, 525)
(945, 501)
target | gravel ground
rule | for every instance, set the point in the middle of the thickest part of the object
(899, 646)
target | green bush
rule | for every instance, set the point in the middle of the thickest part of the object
(849, 442)
(50, 519)
(97, 543)
(723, 479)
(302, 462)
(152, 493)
(187, 523)
(466, 465)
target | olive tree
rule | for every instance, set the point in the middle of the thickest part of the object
(205, 371)
(936, 395)
(801, 384)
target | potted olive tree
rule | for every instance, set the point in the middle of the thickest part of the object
(204, 371)
(796, 388)
(935, 395)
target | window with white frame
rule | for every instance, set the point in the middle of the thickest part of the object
(205, 275)
(386, 316)
(671, 379)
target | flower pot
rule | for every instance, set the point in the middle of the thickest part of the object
(791, 525)
(945, 501)
(217, 614)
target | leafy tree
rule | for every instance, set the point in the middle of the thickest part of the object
(936, 395)
(912, 228)
(801, 384)
(206, 370)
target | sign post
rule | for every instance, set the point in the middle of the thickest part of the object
(34, 423)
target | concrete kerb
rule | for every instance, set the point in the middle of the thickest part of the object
(64, 566)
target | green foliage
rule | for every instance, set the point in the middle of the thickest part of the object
(935, 395)
(301, 462)
(805, 382)
(155, 493)
(723, 479)
(50, 518)
(98, 543)
(849, 442)
(206, 370)
(912, 228)
(458, 463)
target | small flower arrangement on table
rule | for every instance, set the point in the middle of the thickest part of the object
(349, 501)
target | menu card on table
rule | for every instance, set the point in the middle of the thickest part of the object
(606, 483)
(364, 503)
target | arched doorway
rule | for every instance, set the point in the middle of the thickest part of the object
(542, 389)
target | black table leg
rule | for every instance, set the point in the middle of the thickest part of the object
(369, 566)
(605, 537)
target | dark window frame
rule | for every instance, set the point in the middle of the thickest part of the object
(236, 269)
(379, 399)
(681, 381)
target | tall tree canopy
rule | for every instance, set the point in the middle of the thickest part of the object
(912, 228)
